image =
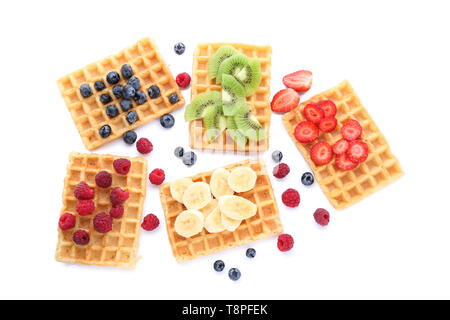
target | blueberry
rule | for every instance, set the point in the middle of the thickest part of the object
(178, 152)
(99, 85)
(189, 158)
(126, 70)
(140, 97)
(125, 105)
(105, 98)
(130, 137)
(179, 48)
(251, 253)
(112, 111)
(135, 83)
(112, 77)
(307, 178)
(128, 92)
(154, 92)
(85, 90)
(105, 131)
(219, 265)
(277, 156)
(132, 117)
(174, 98)
(117, 91)
(234, 274)
(167, 121)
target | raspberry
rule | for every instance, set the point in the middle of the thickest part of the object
(116, 211)
(102, 222)
(85, 207)
(67, 221)
(151, 222)
(285, 242)
(118, 196)
(291, 198)
(83, 191)
(322, 217)
(144, 146)
(81, 237)
(103, 179)
(183, 80)
(281, 170)
(157, 176)
(122, 166)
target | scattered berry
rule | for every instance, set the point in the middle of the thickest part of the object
(85, 90)
(122, 166)
(358, 151)
(157, 176)
(103, 179)
(116, 211)
(299, 81)
(117, 91)
(291, 198)
(174, 98)
(219, 265)
(321, 153)
(328, 107)
(144, 146)
(313, 113)
(307, 178)
(183, 80)
(132, 117)
(112, 111)
(179, 151)
(328, 124)
(128, 92)
(340, 146)
(105, 98)
(126, 71)
(154, 92)
(250, 253)
(112, 77)
(234, 274)
(306, 132)
(140, 97)
(284, 100)
(99, 85)
(344, 163)
(130, 137)
(179, 48)
(322, 217)
(67, 221)
(134, 82)
(167, 121)
(104, 131)
(85, 207)
(285, 242)
(189, 158)
(150, 222)
(277, 156)
(118, 196)
(83, 191)
(81, 237)
(281, 170)
(351, 130)
(103, 222)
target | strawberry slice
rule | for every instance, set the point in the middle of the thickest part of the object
(341, 146)
(344, 163)
(351, 130)
(328, 107)
(313, 113)
(328, 124)
(358, 151)
(285, 100)
(299, 81)
(306, 132)
(321, 153)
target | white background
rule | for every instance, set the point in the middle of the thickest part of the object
(393, 244)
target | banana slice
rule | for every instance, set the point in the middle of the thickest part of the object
(219, 183)
(213, 222)
(236, 207)
(242, 179)
(197, 195)
(206, 210)
(229, 224)
(178, 187)
(189, 223)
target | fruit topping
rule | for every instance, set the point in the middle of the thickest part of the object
(241, 179)
(117, 91)
(105, 98)
(358, 151)
(85, 207)
(122, 166)
(285, 100)
(85, 90)
(313, 113)
(67, 221)
(126, 71)
(112, 111)
(116, 211)
(351, 130)
(103, 223)
(221, 54)
(344, 163)
(103, 179)
(112, 77)
(83, 191)
(134, 82)
(328, 124)
(154, 92)
(328, 107)
(81, 237)
(118, 196)
(341, 146)
(99, 85)
(125, 104)
(174, 98)
(189, 223)
(321, 153)
(132, 117)
(306, 131)
(105, 131)
(140, 97)
(128, 92)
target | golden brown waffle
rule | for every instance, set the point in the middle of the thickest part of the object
(118, 247)
(345, 188)
(264, 224)
(89, 114)
(259, 101)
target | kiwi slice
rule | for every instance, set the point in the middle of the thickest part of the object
(250, 76)
(232, 65)
(249, 125)
(196, 109)
(239, 138)
(214, 122)
(233, 95)
(214, 62)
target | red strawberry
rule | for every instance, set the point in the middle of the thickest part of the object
(299, 81)
(340, 146)
(321, 153)
(328, 124)
(306, 132)
(351, 130)
(285, 100)
(358, 151)
(328, 107)
(313, 113)
(344, 163)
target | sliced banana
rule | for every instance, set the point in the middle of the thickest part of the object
(206, 210)
(219, 183)
(189, 223)
(242, 179)
(236, 207)
(213, 222)
(229, 224)
(178, 187)
(197, 195)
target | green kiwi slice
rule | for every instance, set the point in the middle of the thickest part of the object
(249, 125)
(239, 138)
(232, 65)
(214, 62)
(196, 109)
(250, 76)
(214, 122)
(233, 95)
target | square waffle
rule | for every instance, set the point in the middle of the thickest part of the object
(259, 101)
(89, 114)
(264, 224)
(345, 188)
(118, 247)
